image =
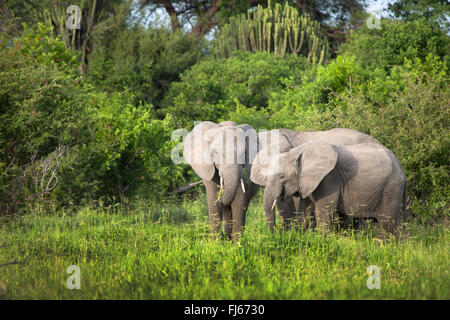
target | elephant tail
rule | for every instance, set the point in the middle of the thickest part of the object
(405, 202)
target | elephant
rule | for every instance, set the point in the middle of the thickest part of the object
(363, 180)
(293, 208)
(221, 154)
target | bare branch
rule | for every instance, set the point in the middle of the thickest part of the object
(205, 22)
(16, 261)
(187, 187)
(173, 14)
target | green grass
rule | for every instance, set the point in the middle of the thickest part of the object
(165, 252)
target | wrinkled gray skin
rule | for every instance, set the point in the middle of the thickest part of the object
(364, 180)
(233, 173)
(293, 208)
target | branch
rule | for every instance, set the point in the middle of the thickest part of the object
(173, 14)
(14, 262)
(204, 23)
(187, 187)
(301, 6)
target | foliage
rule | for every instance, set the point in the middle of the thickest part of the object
(395, 41)
(314, 90)
(212, 88)
(38, 44)
(36, 115)
(127, 149)
(432, 10)
(208, 14)
(107, 137)
(407, 110)
(63, 140)
(278, 29)
(413, 121)
(143, 62)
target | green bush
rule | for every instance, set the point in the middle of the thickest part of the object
(314, 90)
(127, 150)
(63, 141)
(396, 40)
(413, 121)
(212, 88)
(142, 61)
(39, 45)
(37, 81)
(405, 108)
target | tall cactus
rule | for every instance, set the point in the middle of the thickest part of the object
(278, 29)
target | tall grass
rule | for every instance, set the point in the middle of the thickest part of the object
(163, 251)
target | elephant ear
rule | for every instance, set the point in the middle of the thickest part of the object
(266, 163)
(197, 151)
(316, 161)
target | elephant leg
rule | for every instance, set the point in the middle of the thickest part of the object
(238, 209)
(214, 207)
(391, 210)
(286, 210)
(325, 209)
(227, 222)
(326, 201)
(304, 213)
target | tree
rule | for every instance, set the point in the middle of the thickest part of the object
(435, 10)
(93, 14)
(396, 40)
(277, 29)
(202, 16)
(141, 61)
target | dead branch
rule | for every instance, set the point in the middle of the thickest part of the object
(16, 261)
(187, 187)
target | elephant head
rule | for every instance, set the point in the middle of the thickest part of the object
(292, 172)
(222, 152)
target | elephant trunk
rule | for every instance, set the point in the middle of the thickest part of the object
(270, 199)
(231, 175)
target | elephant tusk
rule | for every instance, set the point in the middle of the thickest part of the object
(221, 182)
(242, 185)
(274, 204)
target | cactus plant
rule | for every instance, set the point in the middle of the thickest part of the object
(279, 29)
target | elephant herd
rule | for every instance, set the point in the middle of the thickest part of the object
(312, 178)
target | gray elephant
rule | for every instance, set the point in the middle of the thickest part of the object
(363, 180)
(293, 208)
(221, 154)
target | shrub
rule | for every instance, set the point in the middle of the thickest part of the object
(413, 121)
(63, 141)
(406, 109)
(396, 40)
(38, 121)
(212, 88)
(313, 92)
(143, 62)
(130, 149)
